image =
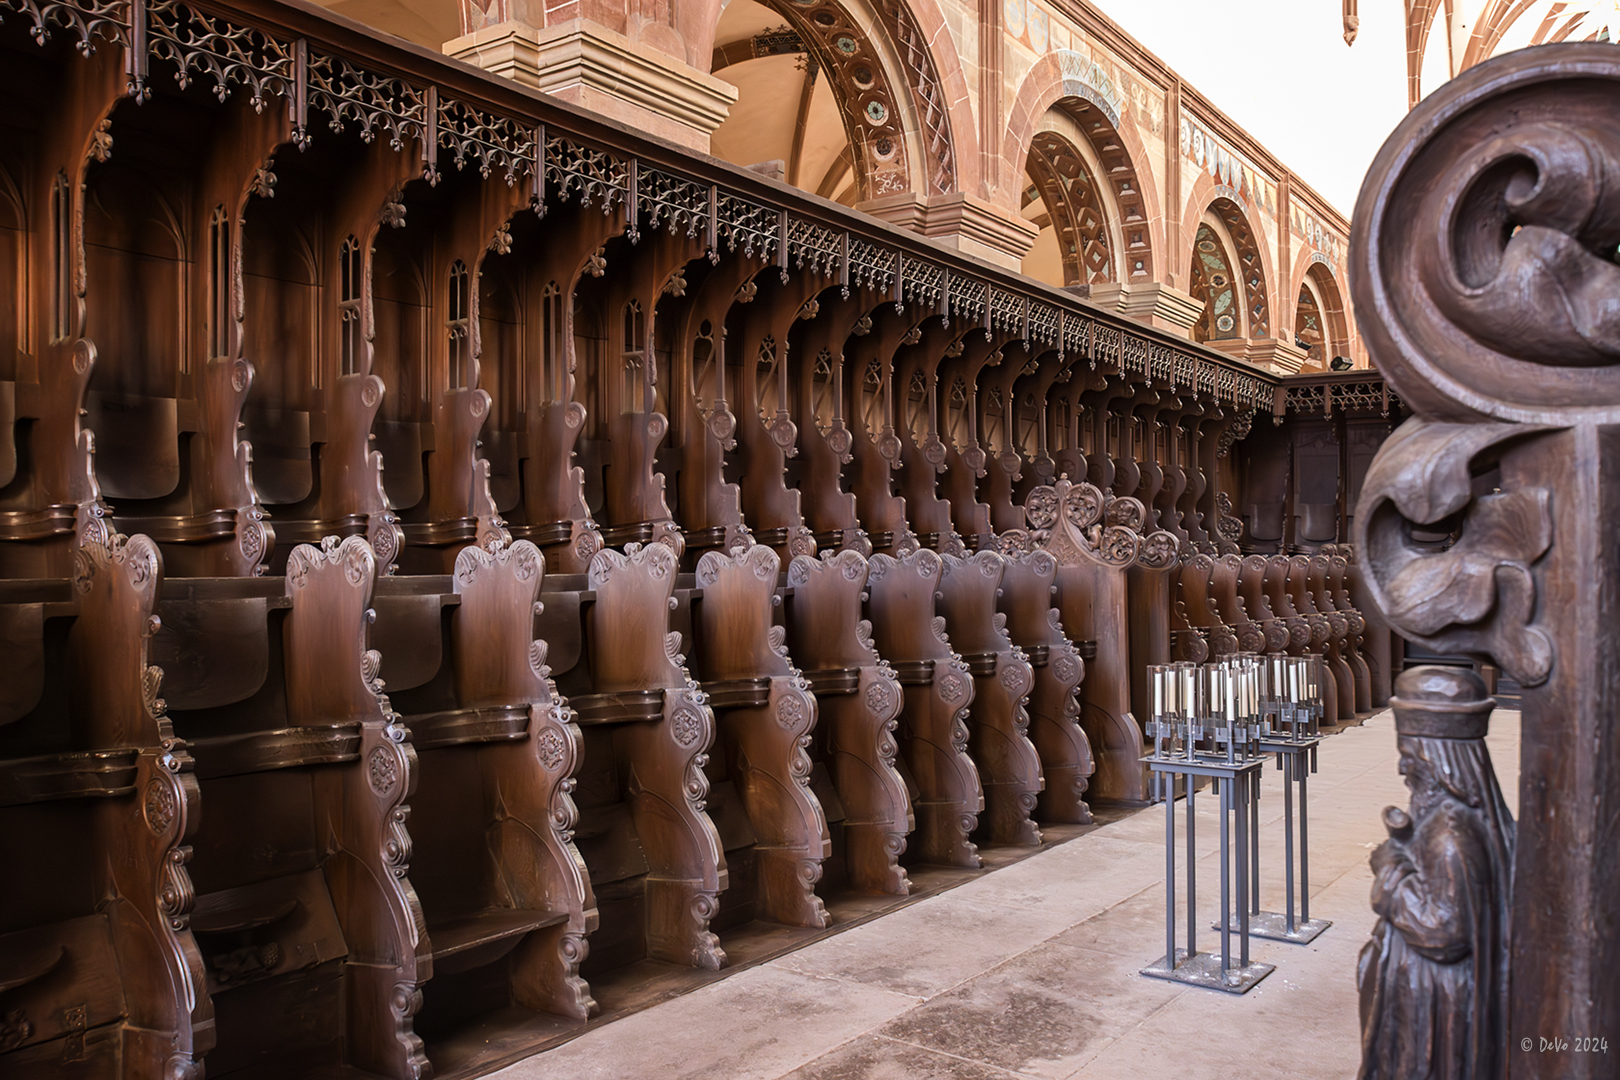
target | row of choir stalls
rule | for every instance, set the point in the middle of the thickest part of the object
(1300, 475)
(468, 577)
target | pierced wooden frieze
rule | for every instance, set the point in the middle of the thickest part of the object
(859, 699)
(939, 691)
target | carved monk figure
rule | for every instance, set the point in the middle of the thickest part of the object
(1433, 978)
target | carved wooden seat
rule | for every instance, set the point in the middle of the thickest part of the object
(1355, 689)
(766, 716)
(501, 883)
(656, 861)
(1092, 558)
(998, 721)
(301, 861)
(1365, 625)
(98, 967)
(947, 797)
(1254, 634)
(1337, 681)
(1035, 626)
(1197, 586)
(328, 353)
(859, 699)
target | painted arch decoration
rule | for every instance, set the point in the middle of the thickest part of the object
(1060, 178)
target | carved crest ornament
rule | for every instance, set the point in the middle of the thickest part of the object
(1485, 275)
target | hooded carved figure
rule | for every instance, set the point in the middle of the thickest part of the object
(1433, 979)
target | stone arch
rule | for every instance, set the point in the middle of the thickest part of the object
(898, 81)
(1061, 175)
(1253, 257)
(1067, 78)
(1312, 265)
(1326, 297)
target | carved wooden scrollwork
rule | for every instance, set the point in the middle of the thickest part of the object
(1484, 271)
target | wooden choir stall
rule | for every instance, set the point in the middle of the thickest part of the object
(455, 554)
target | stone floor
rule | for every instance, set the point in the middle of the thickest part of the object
(1033, 970)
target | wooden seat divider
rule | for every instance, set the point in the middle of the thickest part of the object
(656, 861)
(1036, 627)
(503, 888)
(98, 801)
(1091, 596)
(938, 687)
(998, 719)
(766, 716)
(303, 897)
(859, 700)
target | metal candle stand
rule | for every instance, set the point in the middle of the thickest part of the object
(1217, 706)
(1291, 714)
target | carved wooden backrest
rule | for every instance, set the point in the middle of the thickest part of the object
(825, 625)
(631, 645)
(737, 638)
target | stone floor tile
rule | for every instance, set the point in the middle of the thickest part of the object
(1041, 1014)
(930, 946)
(755, 1025)
(873, 1057)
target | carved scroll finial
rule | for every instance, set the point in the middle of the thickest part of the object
(1486, 233)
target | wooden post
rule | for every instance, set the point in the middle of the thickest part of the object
(1483, 261)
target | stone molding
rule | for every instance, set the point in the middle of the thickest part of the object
(972, 225)
(587, 64)
(1153, 303)
(1273, 354)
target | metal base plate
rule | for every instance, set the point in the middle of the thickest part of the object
(1204, 970)
(1274, 927)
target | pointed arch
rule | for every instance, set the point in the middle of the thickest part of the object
(1061, 78)
(1253, 262)
(898, 82)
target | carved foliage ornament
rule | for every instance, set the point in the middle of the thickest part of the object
(1486, 236)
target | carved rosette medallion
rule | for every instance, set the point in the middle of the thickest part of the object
(160, 805)
(382, 770)
(790, 711)
(879, 699)
(551, 748)
(686, 727)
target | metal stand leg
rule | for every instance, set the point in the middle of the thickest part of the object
(1192, 879)
(1304, 853)
(1226, 873)
(1287, 763)
(1234, 975)
(1240, 800)
(1288, 926)
(1169, 882)
(1254, 845)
